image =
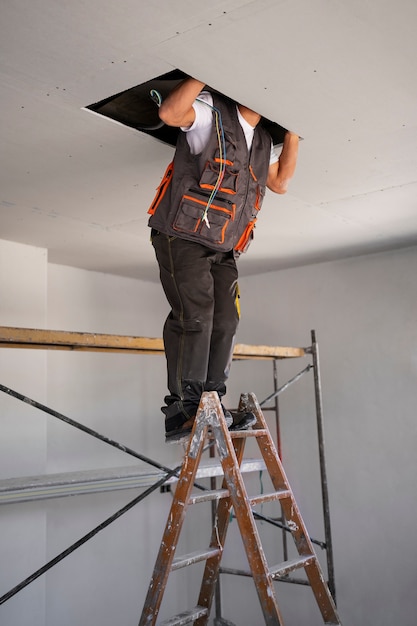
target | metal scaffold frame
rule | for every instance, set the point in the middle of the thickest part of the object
(15, 490)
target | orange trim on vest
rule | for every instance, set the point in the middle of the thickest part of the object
(162, 188)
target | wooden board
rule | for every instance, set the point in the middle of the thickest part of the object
(11, 337)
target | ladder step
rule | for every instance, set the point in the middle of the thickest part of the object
(206, 496)
(269, 497)
(277, 571)
(217, 494)
(188, 617)
(240, 434)
(194, 557)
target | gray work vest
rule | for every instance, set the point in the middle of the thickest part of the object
(182, 197)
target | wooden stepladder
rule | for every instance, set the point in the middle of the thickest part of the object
(210, 422)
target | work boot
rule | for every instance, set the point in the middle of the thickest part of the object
(228, 417)
(178, 429)
(242, 420)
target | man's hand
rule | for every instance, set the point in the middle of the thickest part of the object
(177, 109)
(281, 172)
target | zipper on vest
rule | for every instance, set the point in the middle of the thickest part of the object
(207, 195)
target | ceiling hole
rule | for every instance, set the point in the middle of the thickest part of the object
(135, 108)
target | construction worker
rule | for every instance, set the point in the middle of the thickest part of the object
(202, 219)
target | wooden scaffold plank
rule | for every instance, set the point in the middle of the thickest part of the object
(11, 337)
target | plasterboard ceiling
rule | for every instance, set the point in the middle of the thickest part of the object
(341, 74)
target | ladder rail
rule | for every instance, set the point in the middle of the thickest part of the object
(218, 537)
(291, 511)
(164, 561)
(248, 530)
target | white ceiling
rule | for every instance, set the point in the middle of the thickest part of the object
(340, 73)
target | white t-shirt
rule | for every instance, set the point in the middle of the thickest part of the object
(199, 132)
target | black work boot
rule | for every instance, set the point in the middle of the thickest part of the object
(177, 430)
(242, 420)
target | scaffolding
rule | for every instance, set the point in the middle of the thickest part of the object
(73, 483)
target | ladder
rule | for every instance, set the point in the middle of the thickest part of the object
(210, 423)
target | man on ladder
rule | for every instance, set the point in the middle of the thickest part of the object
(202, 219)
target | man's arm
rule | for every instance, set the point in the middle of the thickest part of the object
(177, 109)
(281, 172)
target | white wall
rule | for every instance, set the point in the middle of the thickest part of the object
(117, 395)
(23, 271)
(363, 310)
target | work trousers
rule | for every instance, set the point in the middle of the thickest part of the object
(201, 287)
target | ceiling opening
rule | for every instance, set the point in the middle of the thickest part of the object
(136, 108)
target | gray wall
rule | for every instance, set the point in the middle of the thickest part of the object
(22, 440)
(363, 311)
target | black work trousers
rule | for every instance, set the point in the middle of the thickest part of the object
(201, 287)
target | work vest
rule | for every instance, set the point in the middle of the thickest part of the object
(186, 189)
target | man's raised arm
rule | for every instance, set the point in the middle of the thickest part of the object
(177, 109)
(281, 172)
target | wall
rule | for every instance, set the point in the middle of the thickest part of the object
(23, 280)
(363, 311)
(117, 395)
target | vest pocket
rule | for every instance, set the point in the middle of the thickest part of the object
(246, 237)
(162, 188)
(211, 174)
(189, 218)
(260, 193)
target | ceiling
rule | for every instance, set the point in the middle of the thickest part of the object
(341, 74)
